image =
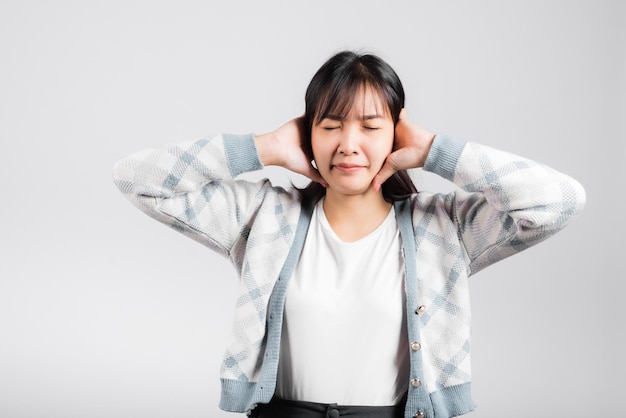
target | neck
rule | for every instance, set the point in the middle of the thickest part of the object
(354, 216)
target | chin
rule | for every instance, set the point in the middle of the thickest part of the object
(353, 190)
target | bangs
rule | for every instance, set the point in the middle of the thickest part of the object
(338, 98)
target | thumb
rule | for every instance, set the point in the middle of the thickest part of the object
(386, 171)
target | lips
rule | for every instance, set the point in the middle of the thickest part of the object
(348, 168)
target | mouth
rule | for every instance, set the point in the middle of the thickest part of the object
(347, 168)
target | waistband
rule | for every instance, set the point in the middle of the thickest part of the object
(282, 408)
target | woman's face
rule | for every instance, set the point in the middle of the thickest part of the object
(349, 151)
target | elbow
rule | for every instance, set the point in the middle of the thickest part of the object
(122, 176)
(556, 214)
(570, 207)
(117, 173)
(575, 200)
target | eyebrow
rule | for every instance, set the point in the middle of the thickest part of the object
(363, 118)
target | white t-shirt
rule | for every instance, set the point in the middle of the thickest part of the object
(344, 336)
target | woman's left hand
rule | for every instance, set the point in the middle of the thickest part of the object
(411, 146)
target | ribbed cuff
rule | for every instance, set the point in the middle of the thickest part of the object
(453, 401)
(236, 395)
(241, 153)
(444, 155)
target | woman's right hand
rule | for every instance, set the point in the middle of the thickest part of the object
(283, 147)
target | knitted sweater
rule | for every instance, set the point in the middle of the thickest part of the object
(506, 204)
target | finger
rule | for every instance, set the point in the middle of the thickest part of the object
(315, 176)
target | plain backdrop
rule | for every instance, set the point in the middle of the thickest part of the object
(106, 313)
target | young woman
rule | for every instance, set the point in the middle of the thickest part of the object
(354, 294)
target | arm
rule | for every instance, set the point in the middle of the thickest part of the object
(189, 186)
(510, 203)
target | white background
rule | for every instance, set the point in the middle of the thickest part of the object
(105, 313)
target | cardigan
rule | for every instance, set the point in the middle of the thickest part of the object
(505, 204)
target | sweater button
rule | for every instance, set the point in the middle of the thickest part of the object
(420, 414)
(420, 309)
(415, 346)
(333, 413)
(416, 383)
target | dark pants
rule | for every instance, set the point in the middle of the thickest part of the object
(281, 408)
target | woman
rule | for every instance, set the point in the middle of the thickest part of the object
(353, 293)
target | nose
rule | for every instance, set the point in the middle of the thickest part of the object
(348, 144)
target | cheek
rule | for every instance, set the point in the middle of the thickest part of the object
(314, 144)
(382, 149)
(320, 147)
(314, 148)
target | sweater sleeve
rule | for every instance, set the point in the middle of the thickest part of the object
(507, 203)
(190, 187)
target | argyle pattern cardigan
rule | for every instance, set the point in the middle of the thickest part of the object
(506, 204)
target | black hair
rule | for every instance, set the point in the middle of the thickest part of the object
(332, 91)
